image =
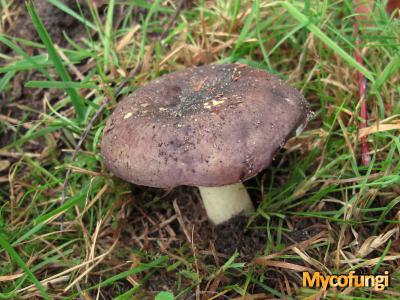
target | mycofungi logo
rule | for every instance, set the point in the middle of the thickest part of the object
(378, 282)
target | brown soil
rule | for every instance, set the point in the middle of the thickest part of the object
(152, 209)
(234, 235)
(231, 236)
(56, 22)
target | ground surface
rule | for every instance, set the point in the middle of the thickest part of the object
(318, 207)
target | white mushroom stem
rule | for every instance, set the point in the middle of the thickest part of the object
(224, 202)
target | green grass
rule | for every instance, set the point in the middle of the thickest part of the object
(108, 244)
(77, 102)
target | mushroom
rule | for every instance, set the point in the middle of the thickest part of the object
(213, 127)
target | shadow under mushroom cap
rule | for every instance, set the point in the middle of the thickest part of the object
(205, 126)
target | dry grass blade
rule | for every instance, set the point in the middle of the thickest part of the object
(260, 296)
(10, 277)
(322, 236)
(364, 132)
(374, 242)
(311, 261)
(281, 264)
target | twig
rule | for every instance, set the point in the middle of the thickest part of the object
(181, 222)
(362, 88)
(173, 18)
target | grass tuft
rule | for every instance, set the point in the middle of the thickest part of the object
(76, 100)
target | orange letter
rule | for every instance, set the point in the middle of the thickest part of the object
(308, 282)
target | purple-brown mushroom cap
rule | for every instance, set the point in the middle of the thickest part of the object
(205, 126)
